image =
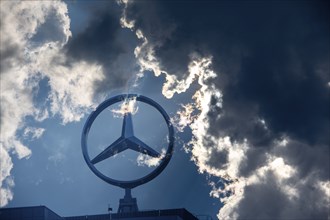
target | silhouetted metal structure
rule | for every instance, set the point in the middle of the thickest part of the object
(127, 140)
(44, 213)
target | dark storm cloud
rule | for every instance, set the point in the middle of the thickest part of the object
(267, 199)
(308, 159)
(278, 205)
(103, 41)
(272, 60)
(97, 43)
(268, 55)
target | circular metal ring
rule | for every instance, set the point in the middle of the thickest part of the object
(165, 160)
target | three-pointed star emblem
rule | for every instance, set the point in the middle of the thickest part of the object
(127, 140)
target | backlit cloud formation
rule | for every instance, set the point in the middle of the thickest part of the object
(257, 79)
(265, 165)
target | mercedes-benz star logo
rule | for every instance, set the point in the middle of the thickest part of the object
(127, 140)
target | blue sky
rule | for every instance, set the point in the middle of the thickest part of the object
(56, 175)
(246, 85)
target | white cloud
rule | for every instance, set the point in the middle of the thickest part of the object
(275, 177)
(324, 187)
(29, 54)
(6, 191)
(146, 160)
(125, 23)
(72, 89)
(34, 133)
(4, 162)
(127, 106)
